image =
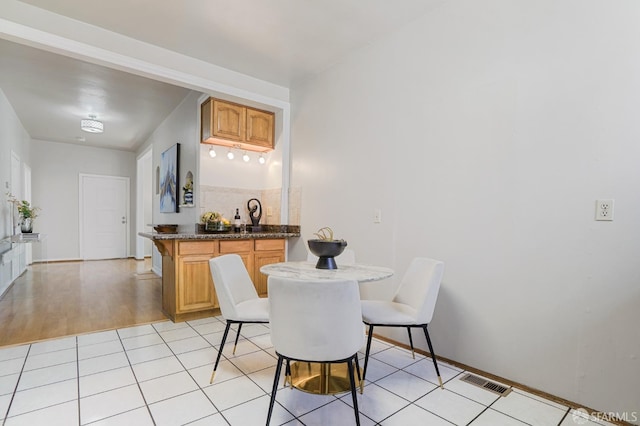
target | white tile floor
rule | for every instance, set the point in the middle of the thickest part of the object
(159, 374)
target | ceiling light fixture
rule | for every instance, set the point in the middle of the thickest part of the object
(212, 153)
(261, 159)
(245, 157)
(230, 155)
(92, 125)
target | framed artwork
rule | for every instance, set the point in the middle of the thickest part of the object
(169, 179)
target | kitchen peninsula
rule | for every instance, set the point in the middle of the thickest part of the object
(187, 288)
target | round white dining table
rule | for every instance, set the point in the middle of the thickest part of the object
(323, 378)
(307, 271)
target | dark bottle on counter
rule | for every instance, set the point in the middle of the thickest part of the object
(236, 221)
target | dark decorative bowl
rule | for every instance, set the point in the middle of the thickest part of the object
(166, 229)
(326, 251)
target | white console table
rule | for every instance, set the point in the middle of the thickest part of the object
(15, 256)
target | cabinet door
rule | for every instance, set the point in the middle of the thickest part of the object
(229, 121)
(260, 125)
(195, 286)
(206, 120)
(265, 258)
(243, 248)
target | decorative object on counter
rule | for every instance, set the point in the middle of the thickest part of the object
(326, 248)
(188, 189)
(237, 222)
(215, 222)
(166, 228)
(210, 217)
(218, 226)
(255, 217)
(169, 163)
(293, 230)
(26, 212)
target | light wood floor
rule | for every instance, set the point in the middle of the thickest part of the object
(67, 298)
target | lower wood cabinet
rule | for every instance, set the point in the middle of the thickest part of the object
(187, 287)
(195, 287)
(243, 248)
(265, 252)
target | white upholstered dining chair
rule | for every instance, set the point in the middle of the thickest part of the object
(237, 296)
(411, 307)
(315, 321)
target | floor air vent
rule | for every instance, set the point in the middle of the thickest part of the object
(486, 384)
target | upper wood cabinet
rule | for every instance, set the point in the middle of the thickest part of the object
(259, 128)
(228, 121)
(229, 124)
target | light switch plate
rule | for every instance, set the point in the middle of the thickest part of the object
(377, 216)
(604, 210)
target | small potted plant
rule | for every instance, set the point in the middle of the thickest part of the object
(26, 211)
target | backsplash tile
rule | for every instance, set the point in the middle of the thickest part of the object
(226, 200)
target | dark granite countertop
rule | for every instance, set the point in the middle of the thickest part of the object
(266, 231)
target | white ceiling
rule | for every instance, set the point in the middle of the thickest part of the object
(280, 41)
(52, 93)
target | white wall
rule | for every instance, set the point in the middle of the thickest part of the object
(147, 194)
(55, 172)
(13, 137)
(220, 171)
(485, 132)
(179, 127)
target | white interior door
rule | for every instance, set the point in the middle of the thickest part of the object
(144, 198)
(104, 216)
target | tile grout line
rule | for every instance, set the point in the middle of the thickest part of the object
(189, 373)
(136, 379)
(109, 390)
(235, 366)
(488, 407)
(565, 416)
(15, 389)
(78, 378)
(260, 349)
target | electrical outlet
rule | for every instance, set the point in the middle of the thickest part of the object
(377, 216)
(604, 210)
(269, 211)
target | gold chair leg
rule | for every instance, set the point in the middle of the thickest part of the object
(440, 380)
(213, 374)
(287, 375)
(234, 350)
